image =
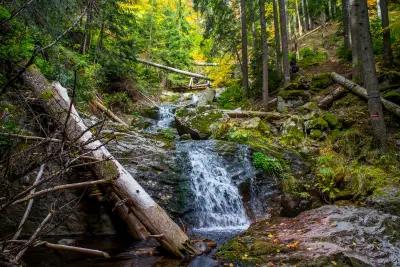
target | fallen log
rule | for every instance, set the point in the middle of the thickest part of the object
(185, 88)
(139, 202)
(97, 103)
(336, 94)
(362, 92)
(183, 72)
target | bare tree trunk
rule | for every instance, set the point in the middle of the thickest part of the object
(245, 63)
(387, 48)
(355, 42)
(299, 25)
(284, 38)
(264, 44)
(305, 15)
(310, 24)
(346, 28)
(370, 77)
(87, 33)
(150, 214)
(277, 39)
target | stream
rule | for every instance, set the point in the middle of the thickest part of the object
(215, 172)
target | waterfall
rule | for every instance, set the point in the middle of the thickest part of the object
(214, 175)
(166, 118)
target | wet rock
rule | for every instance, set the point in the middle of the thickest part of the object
(292, 205)
(327, 236)
(206, 97)
(388, 200)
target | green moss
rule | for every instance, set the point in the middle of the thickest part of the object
(321, 81)
(316, 134)
(292, 138)
(203, 121)
(269, 165)
(293, 94)
(232, 97)
(317, 123)
(331, 119)
(47, 94)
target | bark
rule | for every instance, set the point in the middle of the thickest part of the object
(362, 92)
(284, 38)
(310, 24)
(387, 49)
(305, 15)
(355, 42)
(264, 44)
(87, 36)
(370, 77)
(187, 73)
(245, 63)
(277, 39)
(328, 100)
(299, 24)
(150, 214)
(346, 28)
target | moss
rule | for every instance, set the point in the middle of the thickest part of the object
(292, 138)
(317, 123)
(202, 122)
(149, 112)
(108, 170)
(293, 94)
(269, 165)
(331, 119)
(47, 94)
(316, 134)
(321, 81)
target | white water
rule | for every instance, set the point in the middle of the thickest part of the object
(217, 201)
(166, 116)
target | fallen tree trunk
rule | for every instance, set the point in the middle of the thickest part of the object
(336, 94)
(362, 92)
(150, 214)
(185, 88)
(183, 72)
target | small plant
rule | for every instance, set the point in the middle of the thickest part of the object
(268, 164)
(168, 134)
(310, 57)
(232, 97)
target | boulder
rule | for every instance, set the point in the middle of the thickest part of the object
(206, 97)
(327, 236)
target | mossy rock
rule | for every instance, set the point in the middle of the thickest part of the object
(393, 96)
(150, 112)
(293, 94)
(317, 123)
(321, 81)
(332, 120)
(316, 134)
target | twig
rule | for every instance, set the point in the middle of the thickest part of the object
(16, 12)
(87, 251)
(30, 203)
(62, 187)
(31, 137)
(33, 237)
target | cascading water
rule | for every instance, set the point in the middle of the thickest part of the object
(166, 118)
(214, 176)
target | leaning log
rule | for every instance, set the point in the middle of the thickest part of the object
(139, 202)
(183, 72)
(97, 103)
(86, 251)
(362, 92)
(336, 94)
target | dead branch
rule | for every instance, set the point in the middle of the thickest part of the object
(87, 251)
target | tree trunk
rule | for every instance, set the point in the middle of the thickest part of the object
(362, 92)
(346, 27)
(327, 101)
(305, 15)
(355, 42)
(150, 214)
(379, 9)
(310, 24)
(245, 63)
(264, 44)
(299, 25)
(284, 38)
(277, 39)
(187, 73)
(369, 75)
(387, 49)
(87, 36)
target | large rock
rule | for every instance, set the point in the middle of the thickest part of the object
(327, 236)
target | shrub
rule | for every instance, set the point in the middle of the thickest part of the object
(232, 97)
(268, 164)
